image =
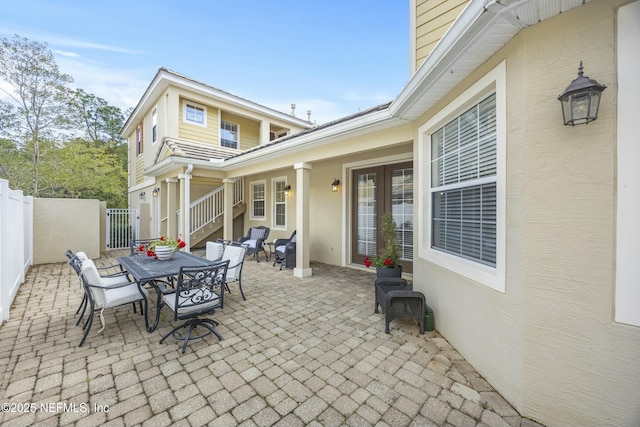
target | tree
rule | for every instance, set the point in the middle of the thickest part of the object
(39, 97)
(81, 169)
(101, 121)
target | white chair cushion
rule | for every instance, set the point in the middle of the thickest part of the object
(214, 251)
(109, 297)
(123, 295)
(281, 248)
(235, 255)
(170, 301)
(251, 243)
(82, 255)
(293, 239)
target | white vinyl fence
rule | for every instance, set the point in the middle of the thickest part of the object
(123, 225)
(16, 243)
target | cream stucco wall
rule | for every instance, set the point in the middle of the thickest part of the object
(61, 224)
(549, 344)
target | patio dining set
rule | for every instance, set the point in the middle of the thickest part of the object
(193, 287)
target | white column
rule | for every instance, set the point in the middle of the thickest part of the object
(185, 202)
(302, 220)
(265, 126)
(227, 226)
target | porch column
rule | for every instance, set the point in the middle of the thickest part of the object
(172, 207)
(184, 226)
(302, 220)
(227, 225)
(265, 126)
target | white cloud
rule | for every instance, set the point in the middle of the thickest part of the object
(122, 88)
(67, 54)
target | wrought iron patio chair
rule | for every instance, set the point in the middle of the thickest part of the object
(285, 252)
(111, 274)
(102, 293)
(199, 292)
(255, 241)
(234, 253)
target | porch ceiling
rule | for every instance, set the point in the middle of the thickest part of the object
(478, 33)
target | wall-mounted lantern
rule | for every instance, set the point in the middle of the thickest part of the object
(141, 195)
(335, 184)
(156, 191)
(581, 100)
(287, 190)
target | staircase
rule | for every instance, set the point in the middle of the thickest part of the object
(207, 213)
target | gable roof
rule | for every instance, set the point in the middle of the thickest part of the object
(165, 78)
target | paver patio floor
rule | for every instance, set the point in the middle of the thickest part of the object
(297, 352)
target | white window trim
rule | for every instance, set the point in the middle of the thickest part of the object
(154, 124)
(627, 288)
(194, 104)
(220, 134)
(251, 185)
(492, 277)
(273, 187)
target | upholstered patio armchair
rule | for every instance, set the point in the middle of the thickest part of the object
(255, 240)
(285, 252)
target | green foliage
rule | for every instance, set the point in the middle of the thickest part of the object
(40, 151)
(389, 253)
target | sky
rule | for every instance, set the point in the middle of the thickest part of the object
(333, 57)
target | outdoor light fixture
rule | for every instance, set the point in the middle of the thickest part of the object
(580, 101)
(287, 189)
(141, 195)
(335, 184)
(156, 191)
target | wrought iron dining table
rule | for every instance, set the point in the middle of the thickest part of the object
(149, 270)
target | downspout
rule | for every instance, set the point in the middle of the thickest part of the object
(187, 209)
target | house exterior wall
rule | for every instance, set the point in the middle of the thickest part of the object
(62, 224)
(549, 344)
(432, 20)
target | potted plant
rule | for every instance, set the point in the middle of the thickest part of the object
(386, 262)
(162, 248)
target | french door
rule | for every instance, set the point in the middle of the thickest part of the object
(377, 190)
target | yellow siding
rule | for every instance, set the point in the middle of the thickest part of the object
(139, 169)
(249, 130)
(433, 19)
(199, 133)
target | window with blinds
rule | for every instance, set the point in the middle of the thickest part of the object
(463, 184)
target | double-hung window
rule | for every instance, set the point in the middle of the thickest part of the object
(463, 184)
(139, 139)
(258, 200)
(228, 134)
(280, 203)
(462, 156)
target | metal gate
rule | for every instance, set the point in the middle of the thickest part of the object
(123, 225)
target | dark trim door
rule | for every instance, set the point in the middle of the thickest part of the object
(377, 190)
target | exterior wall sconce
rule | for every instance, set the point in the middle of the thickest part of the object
(581, 100)
(156, 191)
(287, 190)
(141, 195)
(335, 184)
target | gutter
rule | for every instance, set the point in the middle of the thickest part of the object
(473, 22)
